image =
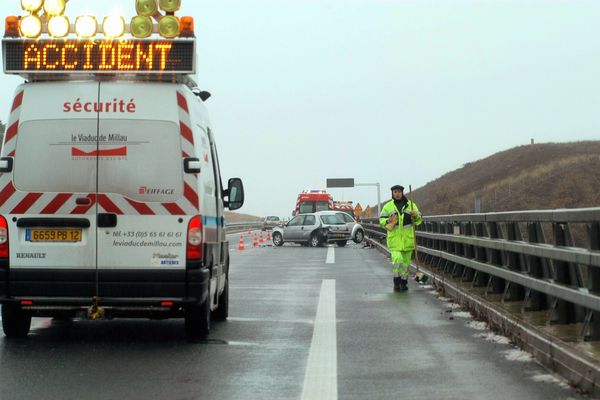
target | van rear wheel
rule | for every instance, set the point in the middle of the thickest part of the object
(15, 322)
(197, 320)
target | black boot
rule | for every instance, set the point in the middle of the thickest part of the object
(397, 284)
(403, 284)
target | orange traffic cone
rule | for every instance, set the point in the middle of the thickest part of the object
(241, 246)
(255, 242)
(268, 236)
(262, 240)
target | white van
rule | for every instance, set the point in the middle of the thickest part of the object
(111, 204)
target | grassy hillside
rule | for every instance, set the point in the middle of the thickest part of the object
(237, 217)
(539, 176)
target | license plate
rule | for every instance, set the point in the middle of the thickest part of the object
(53, 235)
(339, 235)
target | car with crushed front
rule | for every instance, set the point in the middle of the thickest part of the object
(312, 229)
(358, 232)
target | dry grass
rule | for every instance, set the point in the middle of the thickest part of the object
(540, 176)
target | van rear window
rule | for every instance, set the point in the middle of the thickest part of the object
(44, 160)
(139, 159)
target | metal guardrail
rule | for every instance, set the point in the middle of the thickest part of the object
(538, 264)
(242, 226)
(509, 253)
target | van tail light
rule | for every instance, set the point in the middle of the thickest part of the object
(3, 238)
(194, 239)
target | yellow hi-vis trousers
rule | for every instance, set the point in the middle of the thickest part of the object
(400, 262)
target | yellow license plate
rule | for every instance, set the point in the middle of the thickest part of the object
(53, 235)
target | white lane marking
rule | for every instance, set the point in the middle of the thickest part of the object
(320, 379)
(330, 255)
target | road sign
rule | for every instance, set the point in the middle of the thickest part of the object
(358, 210)
(340, 183)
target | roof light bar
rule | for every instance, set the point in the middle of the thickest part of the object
(113, 26)
(170, 6)
(54, 7)
(141, 27)
(31, 26)
(86, 26)
(168, 27)
(46, 18)
(31, 5)
(59, 26)
(146, 8)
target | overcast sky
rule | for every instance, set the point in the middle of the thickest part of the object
(388, 91)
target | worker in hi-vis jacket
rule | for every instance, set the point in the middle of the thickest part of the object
(398, 217)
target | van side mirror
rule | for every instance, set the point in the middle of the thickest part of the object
(6, 164)
(234, 194)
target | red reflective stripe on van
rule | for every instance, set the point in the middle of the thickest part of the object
(12, 153)
(17, 102)
(173, 208)
(191, 195)
(141, 208)
(108, 205)
(7, 193)
(56, 203)
(26, 203)
(185, 155)
(186, 132)
(86, 208)
(182, 102)
(11, 132)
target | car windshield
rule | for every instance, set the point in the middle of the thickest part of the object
(272, 218)
(331, 220)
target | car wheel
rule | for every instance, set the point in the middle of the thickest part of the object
(359, 237)
(341, 243)
(314, 241)
(15, 322)
(221, 313)
(277, 239)
(197, 319)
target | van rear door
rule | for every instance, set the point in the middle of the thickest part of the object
(145, 200)
(49, 197)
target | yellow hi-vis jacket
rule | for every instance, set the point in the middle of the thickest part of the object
(402, 237)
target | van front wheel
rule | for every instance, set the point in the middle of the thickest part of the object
(15, 322)
(197, 320)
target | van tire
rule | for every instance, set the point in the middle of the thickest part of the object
(221, 313)
(197, 319)
(15, 322)
(277, 239)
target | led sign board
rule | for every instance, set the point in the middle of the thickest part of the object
(99, 56)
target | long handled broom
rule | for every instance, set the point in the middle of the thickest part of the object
(419, 276)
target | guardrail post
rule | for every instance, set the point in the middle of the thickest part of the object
(594, 283)
(514, 262)
(568, 274)
(482, 255)
(470, 252)
(495, 285)
(452, 248)
(537, 268)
